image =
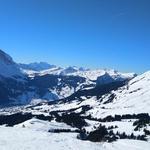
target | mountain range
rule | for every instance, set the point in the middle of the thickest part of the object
(23, 83)
(72, 108)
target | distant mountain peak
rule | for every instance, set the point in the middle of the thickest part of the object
(37, 66)
(104, 79)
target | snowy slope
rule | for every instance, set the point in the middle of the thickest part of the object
(15, 138)
(130, 99)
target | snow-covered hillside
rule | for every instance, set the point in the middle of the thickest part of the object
(132, 98)
(15, 138)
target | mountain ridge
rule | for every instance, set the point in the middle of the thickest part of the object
(51, 84)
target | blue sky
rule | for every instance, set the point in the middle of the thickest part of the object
(90, 33)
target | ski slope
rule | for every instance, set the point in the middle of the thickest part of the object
(33, 137)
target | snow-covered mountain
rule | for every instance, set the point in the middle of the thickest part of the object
(132, 98)
(122, 111)
(21, 84)
(8, 68)
(85, 73)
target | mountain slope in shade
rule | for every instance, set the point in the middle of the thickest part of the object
(8, 68)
